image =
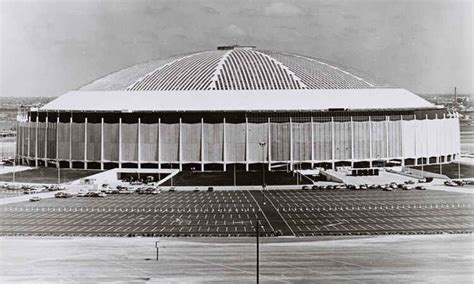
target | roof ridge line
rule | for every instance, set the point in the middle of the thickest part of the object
(331, 66)
(129, 88)
(284, 67)
(218, 70)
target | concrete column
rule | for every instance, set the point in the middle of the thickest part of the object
(370, 141)
(180, 144)
(246, 144)
(159, 143)
(387, 141)
(22, 143)
(269, 144)
(202, 144)
(415, 126)
(85, 144)
(139, 147)
(427, 140)
(333, 145)
(445, 152)
(438, 151)
(401, 141)
(57, 140)
(46, 126)
(102, 143)
(224, 155)
(29, 139)
(312, 142)
(70, 142)
(120, 143)
(291, 145)
(36, 140)
(352, 143)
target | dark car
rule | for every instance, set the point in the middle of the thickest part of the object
(62, 195)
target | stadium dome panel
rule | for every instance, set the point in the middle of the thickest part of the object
(237, 105)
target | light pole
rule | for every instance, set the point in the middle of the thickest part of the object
(262, 145)
(258, 248)
(157, 246)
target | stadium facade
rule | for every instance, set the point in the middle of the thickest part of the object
(236, 105)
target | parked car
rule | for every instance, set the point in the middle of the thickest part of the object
(35, 199)
(62, 195)
(459, 182)
(450, 183)
(420, 187)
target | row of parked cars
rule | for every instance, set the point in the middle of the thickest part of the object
(458, 182)
(408, 185)
(32, 188)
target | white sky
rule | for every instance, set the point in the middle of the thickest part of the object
(51, 47)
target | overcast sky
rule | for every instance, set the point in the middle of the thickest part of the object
(51, 47)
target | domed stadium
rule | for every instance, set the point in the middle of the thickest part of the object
(237, 105)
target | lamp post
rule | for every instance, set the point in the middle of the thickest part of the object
(257, 225)
(262, 145)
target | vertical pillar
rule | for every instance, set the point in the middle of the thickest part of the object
(401, 141)
(202, 144)
(269, 144)
(387, 140)
(139, 141)
(159, 143)
(414, 144)
(120, 143)
(370, 142)
(352, 143)
(85, 143)
(180, 144)
(22, 145)
(246, 144)
(427, 154)
(333, 150)
(57, 140)
(29, 139)
(437, 140)
(312, 142)
(36, 140)
(70, 142)
(224, 155)
(291, 145)
(46, 126)
(102, 143)
(447, 149)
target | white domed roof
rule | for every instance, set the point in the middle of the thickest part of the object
(230, 68)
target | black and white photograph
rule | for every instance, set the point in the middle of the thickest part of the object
(236, 141)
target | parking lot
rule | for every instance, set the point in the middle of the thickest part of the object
(374, 212)
(234, 213)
